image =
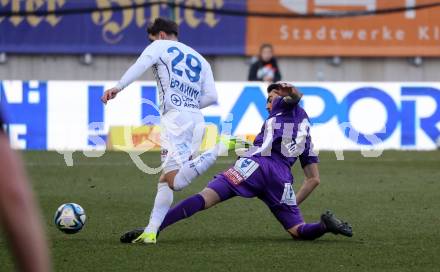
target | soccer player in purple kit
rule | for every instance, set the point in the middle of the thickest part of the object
(265, 172)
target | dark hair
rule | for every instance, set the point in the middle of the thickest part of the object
(272, 86)
(163, 24)
(265, 45)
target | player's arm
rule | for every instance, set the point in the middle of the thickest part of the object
(209, 92)
(148, 57)
(311, 181)
(309, 162)
(19, 214)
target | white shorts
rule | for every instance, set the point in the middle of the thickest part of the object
(181, 136)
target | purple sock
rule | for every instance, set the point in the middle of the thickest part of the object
(184, 209)
(311, 231)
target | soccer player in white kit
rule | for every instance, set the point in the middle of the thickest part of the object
(186, 84)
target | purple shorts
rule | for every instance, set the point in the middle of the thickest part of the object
(261, 178)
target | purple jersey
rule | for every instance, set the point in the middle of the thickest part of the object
(285, 136)
(265, 171)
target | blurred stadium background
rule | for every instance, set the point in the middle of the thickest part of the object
(371, 63)
(350, 58)
(369, 70)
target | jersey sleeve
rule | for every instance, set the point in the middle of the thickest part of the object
(209, 92)
(308, 156)
(148, 58)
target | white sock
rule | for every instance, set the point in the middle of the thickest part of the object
(195, 167)
(162, 203)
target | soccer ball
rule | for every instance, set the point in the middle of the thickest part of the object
(70, 218)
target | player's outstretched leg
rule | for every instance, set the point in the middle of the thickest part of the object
(328, 223)
(184, 209)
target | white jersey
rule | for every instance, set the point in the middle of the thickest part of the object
(184, 77)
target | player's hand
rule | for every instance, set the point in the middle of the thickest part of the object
(109, 94)
(285, 88)
(290, 93)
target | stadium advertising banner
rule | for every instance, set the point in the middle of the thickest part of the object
(414, 32)
(68, 115)
(410, 33)
(116, 32)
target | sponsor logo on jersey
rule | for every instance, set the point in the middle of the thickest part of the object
(288, 197)
(242, 170)
(176, 100)
(233, 176)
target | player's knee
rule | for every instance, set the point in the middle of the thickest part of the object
(210, 196)
(164, 179)
(170, 179)
(293, 231)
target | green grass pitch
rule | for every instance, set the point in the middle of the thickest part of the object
(393, 203)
